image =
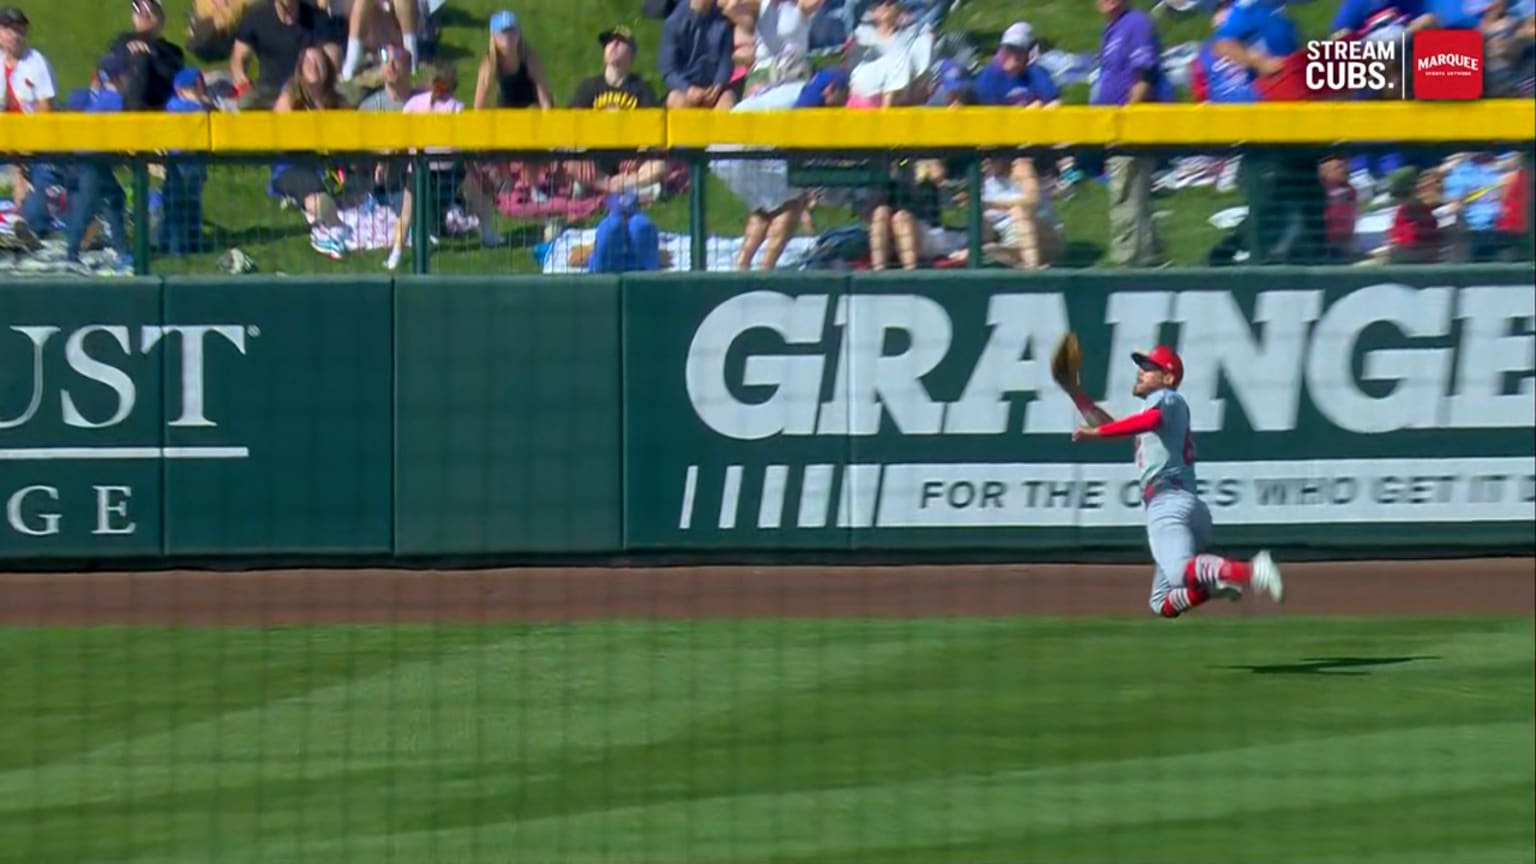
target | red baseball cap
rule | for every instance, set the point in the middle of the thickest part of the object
(1162, 359)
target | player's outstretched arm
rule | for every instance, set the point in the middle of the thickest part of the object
(1093, 415)
(1135, 424)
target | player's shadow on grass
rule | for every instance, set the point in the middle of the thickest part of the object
(1328, 665)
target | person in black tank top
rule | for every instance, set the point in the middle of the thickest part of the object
(510, 73)
(517, 90)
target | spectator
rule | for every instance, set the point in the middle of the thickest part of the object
(891, 28)
(775, 206)
(1342, 209)
(826, 89)
(388, 174)
(1129, 73)
(1013, 78)
(1257, 34)
(312, 87)
(26, 87)
(397, 90)
(181, 223)
(911, 217)
(27, 77)
(1514, 217)
(276, 33)
(784, 29)
(743, 16)
(448, 180)
(1019, 209)
(1474, 191)
(372, 25)
(952, 86)
(890, 59)
(511, 75)
(618, 88)
(152, 60)
(97, 191)
(1414, 237)
(1510, 31)
(1215, 77)
(211, 28)
(627, 239)
(782, 43)
(696, 47)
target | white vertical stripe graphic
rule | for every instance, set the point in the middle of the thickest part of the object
(856, 503)
(730, 495)
(815, 492)
(770, 510)
(690, 483)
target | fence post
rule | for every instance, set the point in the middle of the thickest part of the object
(698, 229)
(421, 237)
(1256, 170)
(141, 232)
(973, 213)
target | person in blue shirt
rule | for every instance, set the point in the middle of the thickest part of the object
(828, 88)
(952, 86)
(182, 220)
(695, 56)
(1474, 188)
(96, 190)
(1256, 34)
(1262, 25)
(1013, 78)
(35, 222)
(627, 239)
(1218, 78)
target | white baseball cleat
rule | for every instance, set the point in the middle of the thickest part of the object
(1266, 577)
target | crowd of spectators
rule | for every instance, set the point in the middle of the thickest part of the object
(758, 55)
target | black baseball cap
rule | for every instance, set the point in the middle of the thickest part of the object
(151, 7)
(112, 67)
(10, 16)
(620, 33)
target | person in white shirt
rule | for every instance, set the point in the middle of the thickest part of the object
(890, 56)
(783, 43)
(26, 87)
(28, 77)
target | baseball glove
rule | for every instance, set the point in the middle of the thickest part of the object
(1067, 362)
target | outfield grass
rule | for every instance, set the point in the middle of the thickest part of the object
(72, 33)
(964, 740)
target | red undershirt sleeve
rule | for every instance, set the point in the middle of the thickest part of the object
(1135, 424)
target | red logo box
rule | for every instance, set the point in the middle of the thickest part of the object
(1448, 64)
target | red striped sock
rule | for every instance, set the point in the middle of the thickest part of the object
(1181, 600)
(1204, 570)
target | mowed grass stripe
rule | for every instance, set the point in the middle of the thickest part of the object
(566, 688)
(1314, 776)
(603, 739)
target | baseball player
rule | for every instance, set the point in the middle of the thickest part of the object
(1178, 522)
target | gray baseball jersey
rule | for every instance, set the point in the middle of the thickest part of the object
(1166, 455)
(1178, 522)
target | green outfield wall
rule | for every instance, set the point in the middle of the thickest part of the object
(1351, 408)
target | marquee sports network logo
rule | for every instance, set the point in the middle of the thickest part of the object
(1350, 66)
(1448, 64)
